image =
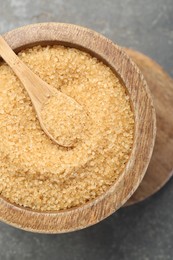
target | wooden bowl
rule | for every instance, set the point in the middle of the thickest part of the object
(144, 137)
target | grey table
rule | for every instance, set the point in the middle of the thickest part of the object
(140, 232)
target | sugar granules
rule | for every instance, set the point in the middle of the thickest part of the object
(65, 119)
(35, 172)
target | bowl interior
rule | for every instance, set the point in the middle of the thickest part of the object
(93, 54)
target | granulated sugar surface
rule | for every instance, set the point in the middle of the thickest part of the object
(65, 119)
(35, 172)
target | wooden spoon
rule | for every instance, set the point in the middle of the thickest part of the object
(38, 90)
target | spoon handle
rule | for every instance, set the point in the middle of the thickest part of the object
(37, 89)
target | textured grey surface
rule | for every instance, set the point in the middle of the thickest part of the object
(140, 232)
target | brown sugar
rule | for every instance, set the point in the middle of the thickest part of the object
(66, 121)
(35, 172)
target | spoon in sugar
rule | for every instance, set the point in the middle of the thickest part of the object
(60, 116)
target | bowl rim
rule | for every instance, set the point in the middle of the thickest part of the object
(145, 129)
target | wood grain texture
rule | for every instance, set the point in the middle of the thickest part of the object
(160, 168)
(144, 137)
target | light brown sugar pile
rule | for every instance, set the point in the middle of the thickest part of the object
(35, 172)
(65, 120)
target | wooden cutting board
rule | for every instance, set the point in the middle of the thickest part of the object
(160, 169)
